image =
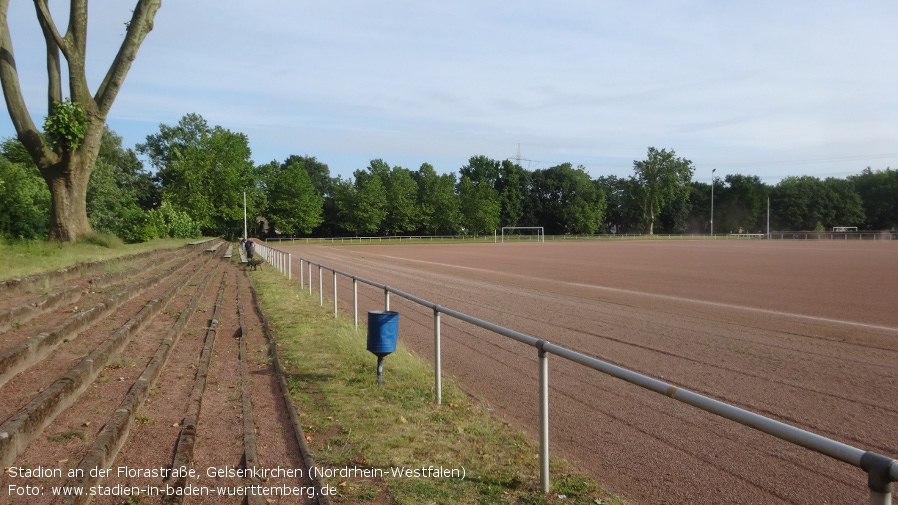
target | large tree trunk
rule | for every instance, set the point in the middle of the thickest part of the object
(651, 226)
(68, 208)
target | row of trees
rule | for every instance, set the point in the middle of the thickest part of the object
(868, 200)
(203, 172)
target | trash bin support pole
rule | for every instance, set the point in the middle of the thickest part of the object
(380, 370)
(386, 298)
(438, 380)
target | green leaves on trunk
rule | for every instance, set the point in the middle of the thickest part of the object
(66, 125)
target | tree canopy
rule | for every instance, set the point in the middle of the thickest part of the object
(661, 178)
(569, 200)
(294, 205)
(437, 201)
(878, 191)
(203, 170)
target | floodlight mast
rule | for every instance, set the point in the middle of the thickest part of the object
(712, 202)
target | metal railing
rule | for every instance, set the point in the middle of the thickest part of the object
(779, 235)
(881, 470)
(834, 235)
(278, 259)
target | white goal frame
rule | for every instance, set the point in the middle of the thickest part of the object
(844, 228)
(541, 232)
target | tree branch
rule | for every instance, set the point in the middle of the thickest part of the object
(54, 78)
(26, 131)
(140, 25)
(76, 56)
(46, 21)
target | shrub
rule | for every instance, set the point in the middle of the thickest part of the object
(172, 222)
(24, 202)
(137, 227)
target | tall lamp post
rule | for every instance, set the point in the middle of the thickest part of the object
(245, 231)
(712, 201)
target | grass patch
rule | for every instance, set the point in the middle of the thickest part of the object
(69, 435)
(351, 422)
(23, 258)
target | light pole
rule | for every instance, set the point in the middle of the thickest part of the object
(712, 201)
(245, 236)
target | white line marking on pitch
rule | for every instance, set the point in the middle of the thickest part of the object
(663, 297)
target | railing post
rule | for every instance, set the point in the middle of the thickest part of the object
(301, 274)
(437, 375)
(355, 302)
(310, 278)
(289, 266)
(320, 287)
(335, 294)
(543, 417)
(879, 481)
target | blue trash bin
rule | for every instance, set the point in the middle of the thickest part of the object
(383, 329)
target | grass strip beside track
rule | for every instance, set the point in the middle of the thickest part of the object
(352, 423)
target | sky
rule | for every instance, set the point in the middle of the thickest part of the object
(765, 88)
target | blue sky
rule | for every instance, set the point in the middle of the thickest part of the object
(767, 88)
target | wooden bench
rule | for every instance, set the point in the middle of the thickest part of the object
(215, 247)
(201, 242)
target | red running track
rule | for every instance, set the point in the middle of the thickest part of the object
(803, 332)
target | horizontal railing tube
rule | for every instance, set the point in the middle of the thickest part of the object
(817, 443)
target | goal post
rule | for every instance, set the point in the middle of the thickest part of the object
(539, 234)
